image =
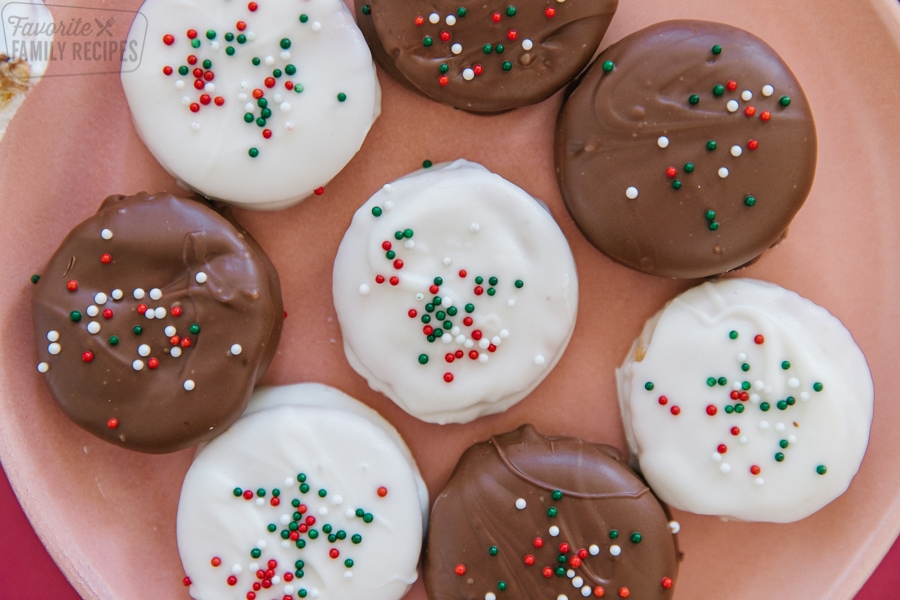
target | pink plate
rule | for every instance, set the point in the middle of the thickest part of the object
(107, 515)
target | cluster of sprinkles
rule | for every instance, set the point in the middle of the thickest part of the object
(275, 77)
(305, 524)
(559, 559)
(442, 317)
(499, 52)
(142, 326)
(728, 96)
(744, 398)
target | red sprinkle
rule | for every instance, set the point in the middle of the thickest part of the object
(671, 172)
(666, 583)
(87, 356)
(216, 561)
(112, 424)
(755, 469)
(759, 339)
(275, 501)
(624, 592)
(412, 313)
(176, 311)
(319, 191)
(252, 6)
(473, 354)
(269, 82)
(105, 259)
(205, 99)
(460, 569)
(538, 542)
(420, 20)
(478, 290)
(398, 264)
(448, 377)
(168, 39)
(675, 410)
(550, 12)
(192, 33)
(547, 572)
(735, 430)
(232, 580)
(167, 70)
(248, 494)
(722, 449)
(379, 279)
(529, 559)
(153, 363)
(711, 410)
(219, 101)
(192, 60)
(445, 36)
(463, 273)
(267, 133)
(731, 85)
(663, 400)
(72, 285)
(476, 335)
(443, 80)
(240, 25)
(749, 111)
(107, 313)
(495, 17)
(753, 144)
(257, 93)
(765, 115)
(185, 342)
(288, 85)
(186, 581)
(511, 35)
(468, 321)
(198, 84)
(394, 280)
(449, 357)
(381, 491)
(334, 553)
(478, 69)
(599, 592)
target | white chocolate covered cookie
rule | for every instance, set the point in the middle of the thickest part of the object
(258, 104)
(310, 494)
(456, 292)
(745, 400)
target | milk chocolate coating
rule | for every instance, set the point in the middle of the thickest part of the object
(686, 223)
(601, 502)
(203, 265)
(564, 37)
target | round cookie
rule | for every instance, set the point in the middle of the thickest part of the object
(154, 319)
(745, 400)
(256, 104)
(529, 516)
(310, 494)
(485, 57)
(456, 292)
(686, 150)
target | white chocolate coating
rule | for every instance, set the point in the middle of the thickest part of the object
(465, 222)
(803, 402)
(313, 133)
(342, 447)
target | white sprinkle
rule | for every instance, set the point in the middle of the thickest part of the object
(779, 427)
(149, 314)
(260, 501)
(539, 360)
(285, 55)
(337, 499)
(179, 84)
(469, 344)
(527, 44)
(276, 98)
(54, 348)
(764, 425)
(253, 567)
(460, 339)
(594, 549)
(137, 365)
(743, 439)
(767, 389)
(631, 192)
(52, 335)
(674, 526)
(615, 550)
(447, 338)
(289, 125)
(288, 589)
(474, 227)
(138, 293)
(736, 151)
(388, 204)
(420, 296)
(732, 106)
(716, 457)
(723, 172)
(214, 44)
(175, 352)
(521, 504)
(43, 367)
(447, 260)
(323, 511)
(490, 596)
(93, 327)
(767, 90)
(570, 573)
(200, 277)
(578, 582)
(662, 142)
(736, 386)
(456, 48)
(792, 439)
(347, 575)
(155, 294)
(434, 18)
(725, 468)
(754, 398)
(409, 244)
(450, 20)
(759, 481)
(759, 384)
(483, 358)
(468, 74)
(170, 331)
(496, 340)
(269, 60)
(189, 385)
(455, 331)
(804, 396)
(106, 234)
(92, 311)
(741, 356)
(553, 531)
(746, 95)
(285, 106)
(511, 302)
(793, 383)
(236, 349)
(316, 26)
(249, 106)
(195, 126)
(483, 344)
(244, 86)
(144, 350)
(186, 100)
(159, 312)
(447, 302)
(562, 597)
(276, 580)
(117, 294)
(237, 569)
(364, 289)
(387, 188)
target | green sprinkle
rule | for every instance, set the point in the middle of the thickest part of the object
(301, 593)
(676, 184)
(493, 550)
(487, 48)
(356, 538)
(304, 18)
(729, 409)
(711, 381)
(821, 469)
(764, 406)
(818, 387)
(560, 571)
(733, 334)
(195, 43)
(444, 68)
(461, 12)
(470, 308)
(783, 443)
(237, 492)
(492, 281)
(491, 291)
(713, 226)
(408, 233)
(556, 494)
(688, 167)
(427, 42)
(366, 9)
(511, 11)
(322, 493)
(447, 325)
(341, 534)
(300, 544)
(779, 456)
(304, 488)
(429, 307)
(452, 311)
(782, 404)
(290, 69)
(426, 164)
(501, 585)
(552, 512)
(210, 34)
(194, 328)
(506, 66)
(327, 528)
(784, 100)
(785, 364)
(229, 50)
(377, 211)
(298, 88)
(256, 553)
(313, 534)
(738, 408)
(113, 340)
(229, 37)
(613, 534)
(745, 385)
(694, 99)
(519, 283)
(207, 64)
(648, 386)
(390, 254)
(718, 90)
(745, 367)
(348, 563)
(636, 537)
(285, 43)
(265, 113)
(276, 73)
(261, 122)
(368, 518)
(608, 66)
(255, 60)
(138, 330)
(285, 534)
(722, 381)
(479, 280)
(241, 38)
(717, 49)
(749, 200)
(499, 48)
(711, 145)
(437, 300)
(790, 400)
(183, 70)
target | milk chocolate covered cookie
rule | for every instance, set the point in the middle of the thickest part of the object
(686, 150)
(488, 56)
(528, 516)
(154, 320)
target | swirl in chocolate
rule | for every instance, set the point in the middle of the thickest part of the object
(154, 319)
(686, 150)
(485, 57)
(542, 517)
